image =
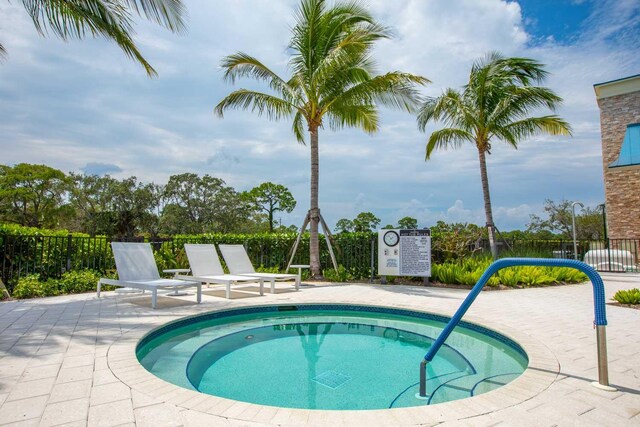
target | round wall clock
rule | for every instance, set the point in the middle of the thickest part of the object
(391, 238)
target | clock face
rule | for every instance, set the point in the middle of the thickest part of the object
(391, 238)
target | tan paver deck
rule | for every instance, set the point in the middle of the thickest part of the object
(68, 360)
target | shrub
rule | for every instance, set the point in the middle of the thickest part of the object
(469, 270)
(340, 275)
(455, 241)
(32, 287)
(75, 282)
(72, 282)
(630, 296)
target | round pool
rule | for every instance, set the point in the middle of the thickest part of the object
(328, 356)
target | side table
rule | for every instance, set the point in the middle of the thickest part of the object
(299, 267)
(175, 272)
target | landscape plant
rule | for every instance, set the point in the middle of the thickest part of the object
(72, 282)
(495, 104)
(333, 84)
(629, 296)
(468, 271)
(111, 19)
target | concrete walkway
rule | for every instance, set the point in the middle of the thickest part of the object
(67, 360)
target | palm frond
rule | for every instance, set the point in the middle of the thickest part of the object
(451, 108)
(242, 65)
(275, 108)
(444, 139)
(362, 116)
(111, 19)
(168, 13)
(298, 127)
(518, 101)
(394, 89)
(552, 125)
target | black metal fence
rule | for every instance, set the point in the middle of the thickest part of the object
(611, 255)
(51, 256)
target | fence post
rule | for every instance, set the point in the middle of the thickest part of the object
(69, 241)
(372, 258)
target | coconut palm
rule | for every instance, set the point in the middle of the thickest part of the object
(332, 83)
(111, 19)
(495, 104)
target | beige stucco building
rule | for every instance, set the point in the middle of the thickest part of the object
(619, 103)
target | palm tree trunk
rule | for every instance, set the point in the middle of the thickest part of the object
(487, 204)
(314, 216)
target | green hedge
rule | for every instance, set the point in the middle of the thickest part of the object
(49, 256)
(72, 282)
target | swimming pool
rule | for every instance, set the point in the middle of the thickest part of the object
(328, 356)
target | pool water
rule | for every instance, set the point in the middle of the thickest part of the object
(328, 357)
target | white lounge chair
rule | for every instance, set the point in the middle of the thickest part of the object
(238, 262)
(137, 269)
(206, 268)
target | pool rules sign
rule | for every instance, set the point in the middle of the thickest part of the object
(404, 252)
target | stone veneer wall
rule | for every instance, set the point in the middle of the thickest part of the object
(621, 185)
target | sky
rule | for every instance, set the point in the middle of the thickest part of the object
(83, 106)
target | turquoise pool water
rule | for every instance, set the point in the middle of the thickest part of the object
(328, 357)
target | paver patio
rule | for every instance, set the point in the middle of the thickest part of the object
(68, 360)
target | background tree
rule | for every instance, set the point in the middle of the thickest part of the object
(332, 83)
(91, 197)
(344, 225)
(31, 195)
(365, 221)
(271, 198)
(111, 19)
(202, 204)
(408, 223)
(132, 204)
(194, 200)
(589, 221)
(236, 215)
(496, 103)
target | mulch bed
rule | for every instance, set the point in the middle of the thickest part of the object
(633, 306)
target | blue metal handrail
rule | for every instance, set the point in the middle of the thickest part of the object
(598, 299)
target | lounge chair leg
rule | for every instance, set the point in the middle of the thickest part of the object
(298, 281)
(273, 286)
(99, 286)
(228, 292)
(199, 296)
(261, 287)
(154, 298)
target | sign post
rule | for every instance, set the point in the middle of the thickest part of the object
(404, 253)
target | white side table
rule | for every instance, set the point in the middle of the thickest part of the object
(299, 267)
(175, 272)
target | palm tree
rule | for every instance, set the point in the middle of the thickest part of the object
(332, 83)
(111, 19)
(495, 104)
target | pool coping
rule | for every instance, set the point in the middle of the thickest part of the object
(541, 372)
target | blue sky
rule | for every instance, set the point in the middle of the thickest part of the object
(82, 106)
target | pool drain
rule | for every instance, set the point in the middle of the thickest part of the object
(331, 379)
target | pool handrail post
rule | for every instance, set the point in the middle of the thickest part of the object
(600, 321)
